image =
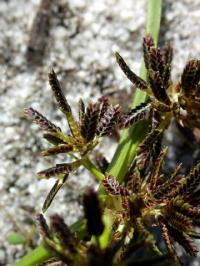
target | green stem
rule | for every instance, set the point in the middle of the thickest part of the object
(36, 256)
(131, 138)
(93, 169)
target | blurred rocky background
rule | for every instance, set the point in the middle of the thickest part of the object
(78, 39)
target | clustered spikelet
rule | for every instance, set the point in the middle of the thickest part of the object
(89, 122)
(60, 98)
(147, 198)
(60, 239)
(108, 121)
(181, 100)
(66, 248)
(136, 80)
(159, 201)
(157, 168)
(64, 168)
(141, 112)
(148, 148)
(146, 202)
(42, 121)
(190, 77)
(62, 148)
(113, 186)
(96, 120)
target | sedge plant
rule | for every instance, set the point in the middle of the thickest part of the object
(135, 197)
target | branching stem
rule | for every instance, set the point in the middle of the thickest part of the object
(131, 138)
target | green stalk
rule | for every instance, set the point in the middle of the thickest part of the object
(131, 138)
(35, 257)
(93, 169)
(129, 141)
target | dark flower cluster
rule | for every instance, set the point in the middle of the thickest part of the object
(147, 199)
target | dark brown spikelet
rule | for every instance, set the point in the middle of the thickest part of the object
(63, 105)
(53, 192)
(56, 170)
(179, 221)
(62, 148)
(43, 227)
(191, 212)
(81, 109)
(113, 187)
(157, 145)
(64, 168)
(143, 158)
(157, 169)
(136, 80)
(109, 121)
(156, 61)
(60, 98)
(134, 183)
(137, 114)
(133, 177)
(89, 123)
(93, 213)
(53, 139)
(191, 76)
(148, 149)
(167, 77)
(147, 44)
(151, 138)
(104, 104)
(167, 53)
(169, 188)
(167, 58)
(184, 240)
(39, 119)
(157, 87)
(191, 182)
(168, 240)
(62, 231)
(185, 185)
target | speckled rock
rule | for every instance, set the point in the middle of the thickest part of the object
(82, 37)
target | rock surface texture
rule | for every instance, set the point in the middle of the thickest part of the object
(78, 38)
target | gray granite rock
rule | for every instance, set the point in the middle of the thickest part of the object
(79, 43)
